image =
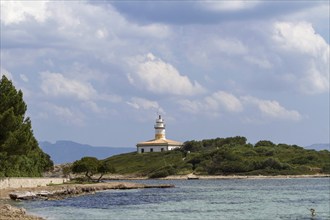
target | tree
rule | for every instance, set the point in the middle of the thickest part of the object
(91, 166)
(20, 154)
(264, 143)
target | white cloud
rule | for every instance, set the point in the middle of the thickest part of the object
(300, 37)
(14, 12)
(101, 33)
(55, 84)
(315, 81)
(24, 78)
(94, 107)
(64, 114)
(230, 46)
(220, 102)
(260, 62)
(229, 5)
(302, 42)
(212, 105)
(160, 77)
(228, 101)
(145, 104)
(272, 109)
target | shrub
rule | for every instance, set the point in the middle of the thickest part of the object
(264, 143)
(326, 168)
(163, 172)
(272, 163)
(159, 174)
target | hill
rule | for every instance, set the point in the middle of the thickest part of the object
(225, 156)
(319, 147)
(69, 151)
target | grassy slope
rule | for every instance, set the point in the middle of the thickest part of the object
(224, 159)
(147, 163)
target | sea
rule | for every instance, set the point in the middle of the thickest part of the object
(198, 199)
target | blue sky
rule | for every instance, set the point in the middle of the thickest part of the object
(97, 72)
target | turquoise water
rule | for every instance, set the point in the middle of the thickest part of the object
(198, 199)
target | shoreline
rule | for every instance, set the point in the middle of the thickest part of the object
(57, 192)
(220, 177)
(213, 177)
(62, 191)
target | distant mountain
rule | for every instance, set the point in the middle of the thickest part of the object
(69, 151)
(319, 147)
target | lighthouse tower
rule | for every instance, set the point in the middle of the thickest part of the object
(160, 143)
(159, 128)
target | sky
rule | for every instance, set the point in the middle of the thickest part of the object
(99, 72)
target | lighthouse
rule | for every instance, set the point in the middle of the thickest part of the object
(159, 128)
(159, 143)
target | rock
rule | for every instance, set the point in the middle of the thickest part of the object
(8, 212)
(22, 195)
(60, 192)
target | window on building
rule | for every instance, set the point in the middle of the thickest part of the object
(162, 149)
(142, 150)
(151, 150)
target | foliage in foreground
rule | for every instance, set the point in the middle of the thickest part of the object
(225, 156)
(20, 154)
(91, 166)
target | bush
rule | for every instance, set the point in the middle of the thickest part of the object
(249, 153)
(326, 168)
(264, 143)
(159, 174)
(200, 170)
(272, 163)
(163, 172)
(234, 167)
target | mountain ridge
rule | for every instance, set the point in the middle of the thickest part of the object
(66, 151)
(319, 146)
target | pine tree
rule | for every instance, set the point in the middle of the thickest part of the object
(20, 154)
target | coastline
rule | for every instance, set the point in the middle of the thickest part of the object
(213, 177)
(57, 192)
(63, 191)
(221, 177)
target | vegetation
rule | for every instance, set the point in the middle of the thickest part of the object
(91, 166)
(20, 154)
(225, 156)
(154, 165)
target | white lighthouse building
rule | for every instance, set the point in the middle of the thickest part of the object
(160, 143)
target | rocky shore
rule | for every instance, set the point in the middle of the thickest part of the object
(8, 212)
(55, 192)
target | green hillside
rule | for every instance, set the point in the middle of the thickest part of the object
(151, 164)
(225, 156)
